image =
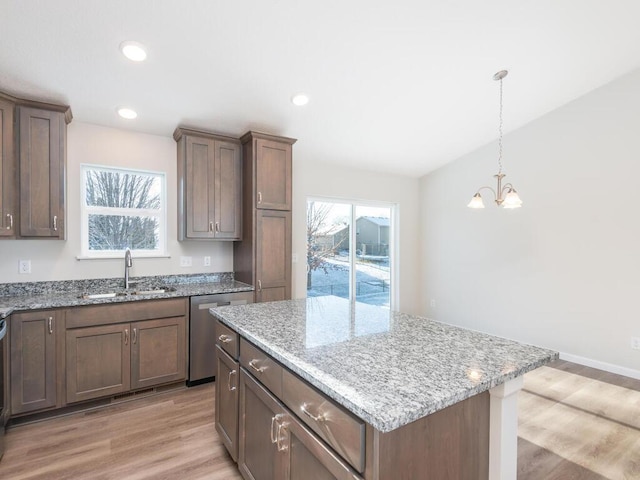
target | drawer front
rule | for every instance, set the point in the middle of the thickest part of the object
(344, 432)
(261, 366)
(227, 339)
(95, 315)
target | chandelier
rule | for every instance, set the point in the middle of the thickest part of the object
(504, 195)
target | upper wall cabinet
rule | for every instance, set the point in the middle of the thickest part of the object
(209, 186)
(272, 171)
(32, 177)
(42, 147)
(8, 172)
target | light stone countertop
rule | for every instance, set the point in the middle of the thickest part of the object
(387, 368)
(45, 295)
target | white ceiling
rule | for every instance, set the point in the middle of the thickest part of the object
(401, 86)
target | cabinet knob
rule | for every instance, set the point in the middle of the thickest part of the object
(10, 218)
(217, 226)
(135, 336)
(259, 285)
(316, 418)
(50, 323)
(259, 197)
(210, 227)
(126, 336)
(252, 364)
(224, 338)
(55, 223)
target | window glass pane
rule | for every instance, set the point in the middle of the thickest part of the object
(328, 233)
(119, 189)
(118, 232)
(373, 279)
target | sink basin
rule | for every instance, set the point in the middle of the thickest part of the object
(153, 290)
(90, 296)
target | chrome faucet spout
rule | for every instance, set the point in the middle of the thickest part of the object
(128, 263)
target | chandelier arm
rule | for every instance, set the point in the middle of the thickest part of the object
(507, 186)
(488, 188)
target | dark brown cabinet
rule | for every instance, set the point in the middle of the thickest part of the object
(41, 145)
(8, 171)
(111, 349)
(226, 416)
(209, 186)
(274, 444)
(263, 257)
(34, 367)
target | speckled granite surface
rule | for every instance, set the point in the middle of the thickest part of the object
(387, 368)
(39, 295)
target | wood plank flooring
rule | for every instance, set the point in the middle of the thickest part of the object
(575, 423)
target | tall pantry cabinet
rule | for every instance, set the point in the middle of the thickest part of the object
(263, 257)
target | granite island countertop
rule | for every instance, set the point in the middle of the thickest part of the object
(387, 368)
(69, 293)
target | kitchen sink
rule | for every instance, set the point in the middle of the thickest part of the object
(151, 290)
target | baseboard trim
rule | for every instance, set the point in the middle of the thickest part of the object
(607, 367)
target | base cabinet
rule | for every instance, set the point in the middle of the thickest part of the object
(34, 368)
(227, 401)
(274, 444)
(111, 349)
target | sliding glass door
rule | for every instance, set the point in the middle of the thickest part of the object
(349, 250)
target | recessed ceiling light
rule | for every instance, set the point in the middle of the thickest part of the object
(134, 51)
(127, 113)
(300, 99)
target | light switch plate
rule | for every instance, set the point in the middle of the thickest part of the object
(207, 261)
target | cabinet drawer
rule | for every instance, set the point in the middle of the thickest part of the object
(261, 366)
(227, 339)
(344, 432)
(94, 315)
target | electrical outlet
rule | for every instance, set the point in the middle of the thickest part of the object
(207, 261)
(635, 343)
(186, 261)
(24, 266)
(294, 258)
(433, 303)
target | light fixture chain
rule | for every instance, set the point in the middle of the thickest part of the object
(500, 136)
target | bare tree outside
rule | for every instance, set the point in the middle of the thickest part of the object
(131, 192)
(318, 214)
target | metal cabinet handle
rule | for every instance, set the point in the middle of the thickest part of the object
(210, 227)
(252, 364)
(274, 419)
(126, 336)
(231, 389)
(316, 418)
(55, 223)
(259, 197)
(10, 217)
(281, 443)
(135, 336)
(50, 322)
(224, 338)
(259, 285)
(217, 226)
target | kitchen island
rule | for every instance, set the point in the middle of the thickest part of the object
(437, 401)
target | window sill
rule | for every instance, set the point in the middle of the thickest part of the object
(121, 256)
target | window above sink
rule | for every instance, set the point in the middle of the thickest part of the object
(120, 209)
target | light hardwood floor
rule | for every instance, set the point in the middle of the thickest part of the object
(575, 423)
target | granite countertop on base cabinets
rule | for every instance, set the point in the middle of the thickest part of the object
(69, 293)
(388, 368)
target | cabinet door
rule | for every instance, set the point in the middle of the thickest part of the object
(273, 175)
(42, 157)
(228, 206)
(308, 458)
(8, 170)
(199, 187)
(260, 413)
(158, 352)
(273, 255)
(33, 361)
(227, 402)
(98, 361)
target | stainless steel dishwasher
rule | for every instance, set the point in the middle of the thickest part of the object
(202, 342)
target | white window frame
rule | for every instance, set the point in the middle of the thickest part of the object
(394, 239)
(85, 211)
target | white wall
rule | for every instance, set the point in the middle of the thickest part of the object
(56, 260)
(312, 178)
(564, 270)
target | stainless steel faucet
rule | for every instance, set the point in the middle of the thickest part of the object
(128, 263)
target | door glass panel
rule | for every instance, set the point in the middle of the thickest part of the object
(373, 279)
